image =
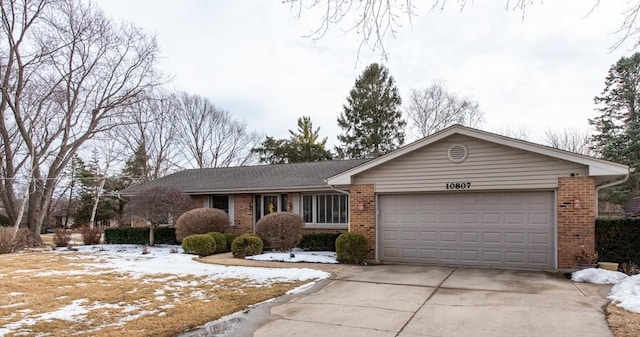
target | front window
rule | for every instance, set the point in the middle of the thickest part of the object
(270, 203)
(219, 202)
(327, 208)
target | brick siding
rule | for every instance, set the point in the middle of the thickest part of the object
(363, 221)
(242, 213)
(576, 226)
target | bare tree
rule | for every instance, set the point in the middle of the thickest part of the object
(375, 20)
(521, 132)
(210, 136)
(66, 72)
(152, 132)
(569, 139)
(434, 108)
(158, 205)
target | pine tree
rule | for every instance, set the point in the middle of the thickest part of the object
(371, 120)
(617, 135)
(136, 168)
(302, 146)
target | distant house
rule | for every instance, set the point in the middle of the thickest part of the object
(458, 197)
(633, 207)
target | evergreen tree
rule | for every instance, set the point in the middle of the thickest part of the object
(617, 136)
(136, 169)
(302, 146)
(371, 120)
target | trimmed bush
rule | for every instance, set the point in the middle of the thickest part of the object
(280, 231)
(62, 237)
(199, 244)
(351, 248)
(221, 241)
(201, 221)
(139, 235)
(91, 236)
(230, 237)
(617, 240)
(246, 245)
(319, 241)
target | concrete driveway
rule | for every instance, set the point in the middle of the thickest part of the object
(411, 301)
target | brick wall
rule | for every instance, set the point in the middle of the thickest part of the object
(576, 226)
(363, 220)
(198, 201)
(243, 214)
(322, 230)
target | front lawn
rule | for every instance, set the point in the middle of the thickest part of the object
(119, 291)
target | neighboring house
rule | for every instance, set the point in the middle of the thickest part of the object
(633, 207)
(458, 197)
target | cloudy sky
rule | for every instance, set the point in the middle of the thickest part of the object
(252, 58)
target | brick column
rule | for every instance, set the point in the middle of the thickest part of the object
(242, 213)
(576, 226)
(362, 215)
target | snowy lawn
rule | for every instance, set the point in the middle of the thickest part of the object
(299, 255)
(119, 291)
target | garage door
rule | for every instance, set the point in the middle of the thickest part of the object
(514, 230)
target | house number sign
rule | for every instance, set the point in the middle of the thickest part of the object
(458, 186)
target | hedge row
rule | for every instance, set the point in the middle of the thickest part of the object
(617, 240)
(319, 242)
(139, 235)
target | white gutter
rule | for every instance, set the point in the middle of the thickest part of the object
(614, 183)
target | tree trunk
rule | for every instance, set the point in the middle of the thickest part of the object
(152, 228)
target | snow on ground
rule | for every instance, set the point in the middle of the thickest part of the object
(299, 255)
(626, 290)
(129, 259)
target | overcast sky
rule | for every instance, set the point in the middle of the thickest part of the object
(252, 58)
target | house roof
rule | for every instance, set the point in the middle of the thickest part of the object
(259, 178)
(602, 169)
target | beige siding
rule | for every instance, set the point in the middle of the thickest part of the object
(489, 166)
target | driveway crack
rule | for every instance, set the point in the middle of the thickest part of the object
(425, 301)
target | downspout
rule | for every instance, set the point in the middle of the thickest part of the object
(614, 183)
(333, 187)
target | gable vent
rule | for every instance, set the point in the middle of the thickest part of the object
(457, 153)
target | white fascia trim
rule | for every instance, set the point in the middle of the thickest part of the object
(597, 167)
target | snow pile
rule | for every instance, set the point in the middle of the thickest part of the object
(299, 255)
(598, 276)
(626, 294)
(626, 290)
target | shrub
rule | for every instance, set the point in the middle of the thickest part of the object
(91, 236)
(351, 248)
(246, 245)
(139, 235)
(221, 241)
(7, 244)
(62, 237)
(4, 220)
(319, 241)
(230, 237)
(617, 240)
(280, 231)
(199, 244)
(201, 221)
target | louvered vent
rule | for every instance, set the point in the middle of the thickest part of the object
(457, 153)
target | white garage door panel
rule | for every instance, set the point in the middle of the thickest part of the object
(513, 229)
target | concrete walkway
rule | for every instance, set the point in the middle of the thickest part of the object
(412, 301)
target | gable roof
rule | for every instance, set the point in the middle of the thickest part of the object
(258, 178)
(604, 170)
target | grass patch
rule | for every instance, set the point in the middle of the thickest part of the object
(77, 294)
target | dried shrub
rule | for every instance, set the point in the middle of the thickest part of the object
(8, 244)
(91, 236)
(221, 241)
(199, 244)
(230, 237)
(280, 231)
(585, 257)
(62, 237)
(351, 248)
(629, 268)
(201, 221)
(246, 245)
